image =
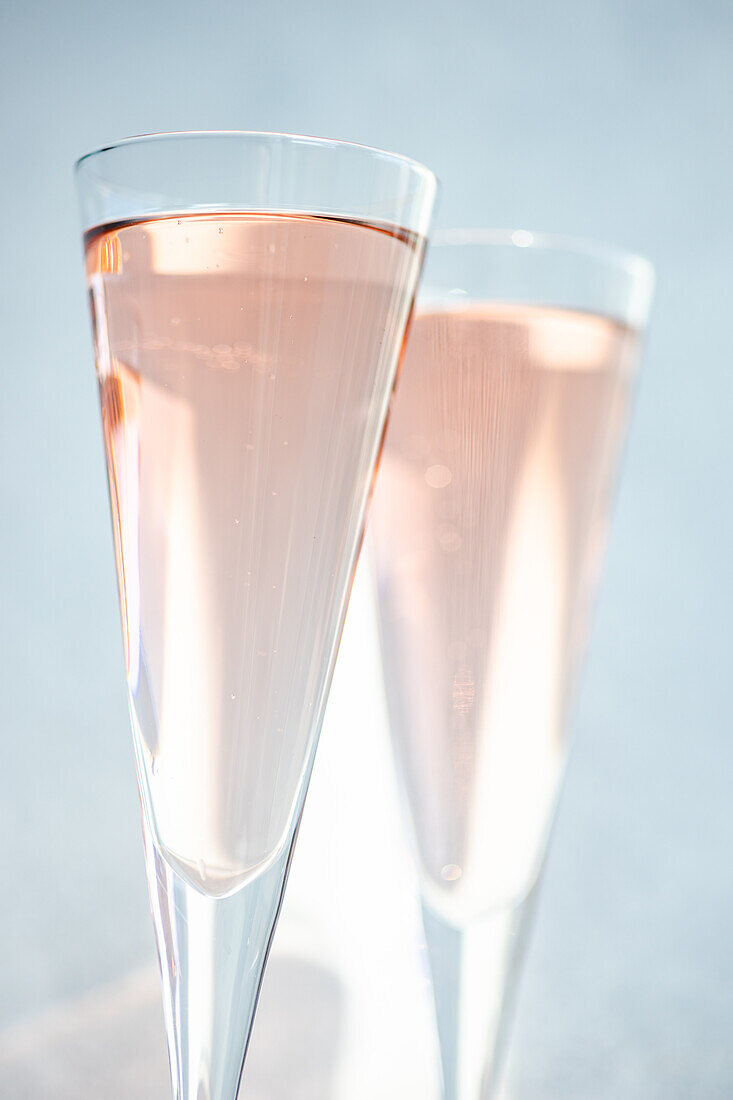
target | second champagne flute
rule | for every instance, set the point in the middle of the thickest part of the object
(489, 524)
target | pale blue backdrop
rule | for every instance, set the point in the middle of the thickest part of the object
(603, 118)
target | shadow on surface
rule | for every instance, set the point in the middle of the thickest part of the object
(110, 1043)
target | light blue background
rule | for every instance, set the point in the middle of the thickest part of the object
(604, 119)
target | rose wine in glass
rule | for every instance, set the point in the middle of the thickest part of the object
(247, 333)
(238, 358)
(489, 525)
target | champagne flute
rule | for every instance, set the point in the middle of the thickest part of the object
(489, 523)
(249, 297)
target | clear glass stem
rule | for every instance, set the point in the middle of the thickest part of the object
(475, 971)
(212, 954)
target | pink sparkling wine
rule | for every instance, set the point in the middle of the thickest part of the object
(245, 363)
(489, 523)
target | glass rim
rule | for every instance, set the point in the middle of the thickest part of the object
(634, 264)
(304, 139)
